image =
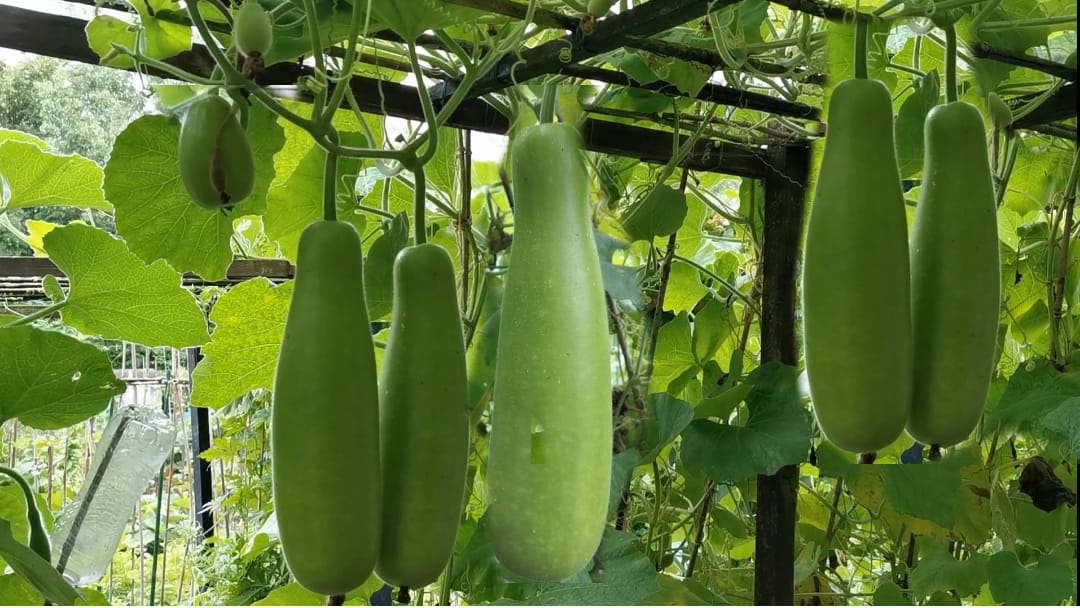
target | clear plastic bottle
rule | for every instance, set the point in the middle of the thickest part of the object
(129, 454)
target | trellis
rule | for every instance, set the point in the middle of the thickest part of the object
(783, 167)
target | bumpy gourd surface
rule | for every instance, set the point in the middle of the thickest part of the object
(549, 461)
(325, 418)
(217, 166)
(424, 414)
(955, 278)
(856, 290)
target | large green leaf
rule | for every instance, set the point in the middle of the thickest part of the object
(939, 571)
(154, 213)
(249, 321)
(51, 380)
(1047, 583)
(115, 295)
(666, 418)
(777, 431)
(30, 176)
(674, 355)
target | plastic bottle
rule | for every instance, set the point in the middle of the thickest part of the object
(129, 454)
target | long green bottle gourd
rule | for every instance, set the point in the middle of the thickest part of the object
(549, 460)
(424, 415)
(856, 289)
(955, 278)
(325, 418)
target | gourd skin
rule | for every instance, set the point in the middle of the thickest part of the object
(856, 289)
(325, 418)
(253, 29)
(216, 163)
(549, 462)
(424, 414)
(955, 278)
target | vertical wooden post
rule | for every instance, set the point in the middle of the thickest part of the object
(203, 487)
(785, 196)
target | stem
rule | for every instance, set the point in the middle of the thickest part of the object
(419, 205)
(429, 112)
(34, 316)
(346, 66)
(654, 521)
(1012, 24)
(335, 600)
(464, 219)
(547, 103)
(329, 193)
(699, 527)
(935, 452)
(1068, 202)
(861, 34)
(867, 458)
(950, 64)
(319, 103)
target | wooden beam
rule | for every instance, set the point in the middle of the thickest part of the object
(23, 30)
(239, 270)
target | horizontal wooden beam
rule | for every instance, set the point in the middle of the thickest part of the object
(20, 267)
(23, 30)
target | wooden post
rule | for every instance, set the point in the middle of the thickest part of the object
(785, 195)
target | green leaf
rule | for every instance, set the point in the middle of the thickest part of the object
(249, 321)
(666, 418)
(659, 213)
(51, 380)
(295, 197)
(938, 571)
(622, 283)
(442, 171)
(379, 266)
(710, 329)
(154, 213)
(674, 355)
(1046, 584)
(622, 470)
(16, 591)
(620, 575)
(293, 594)
(1064, 421)
(32, 177)
(909, 122)
(888, 593)
(930, 491)
(1035, 389)
(684, 288)
(410, 19)
(722, 404)
(162, 39)
(682, 592)
(115, 295)
(777, 431)
(104, 30)
(34, 569)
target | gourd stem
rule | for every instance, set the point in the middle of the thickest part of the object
(335, 600)
(867, 458)
(861, 34)
(330, 187)
(547, 104)
(950, 64)
(419, 205)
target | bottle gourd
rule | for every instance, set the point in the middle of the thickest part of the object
(955, 278)
(325, 418)
(549, 460)
(214, 156)
(856, 283)
(424, 414)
